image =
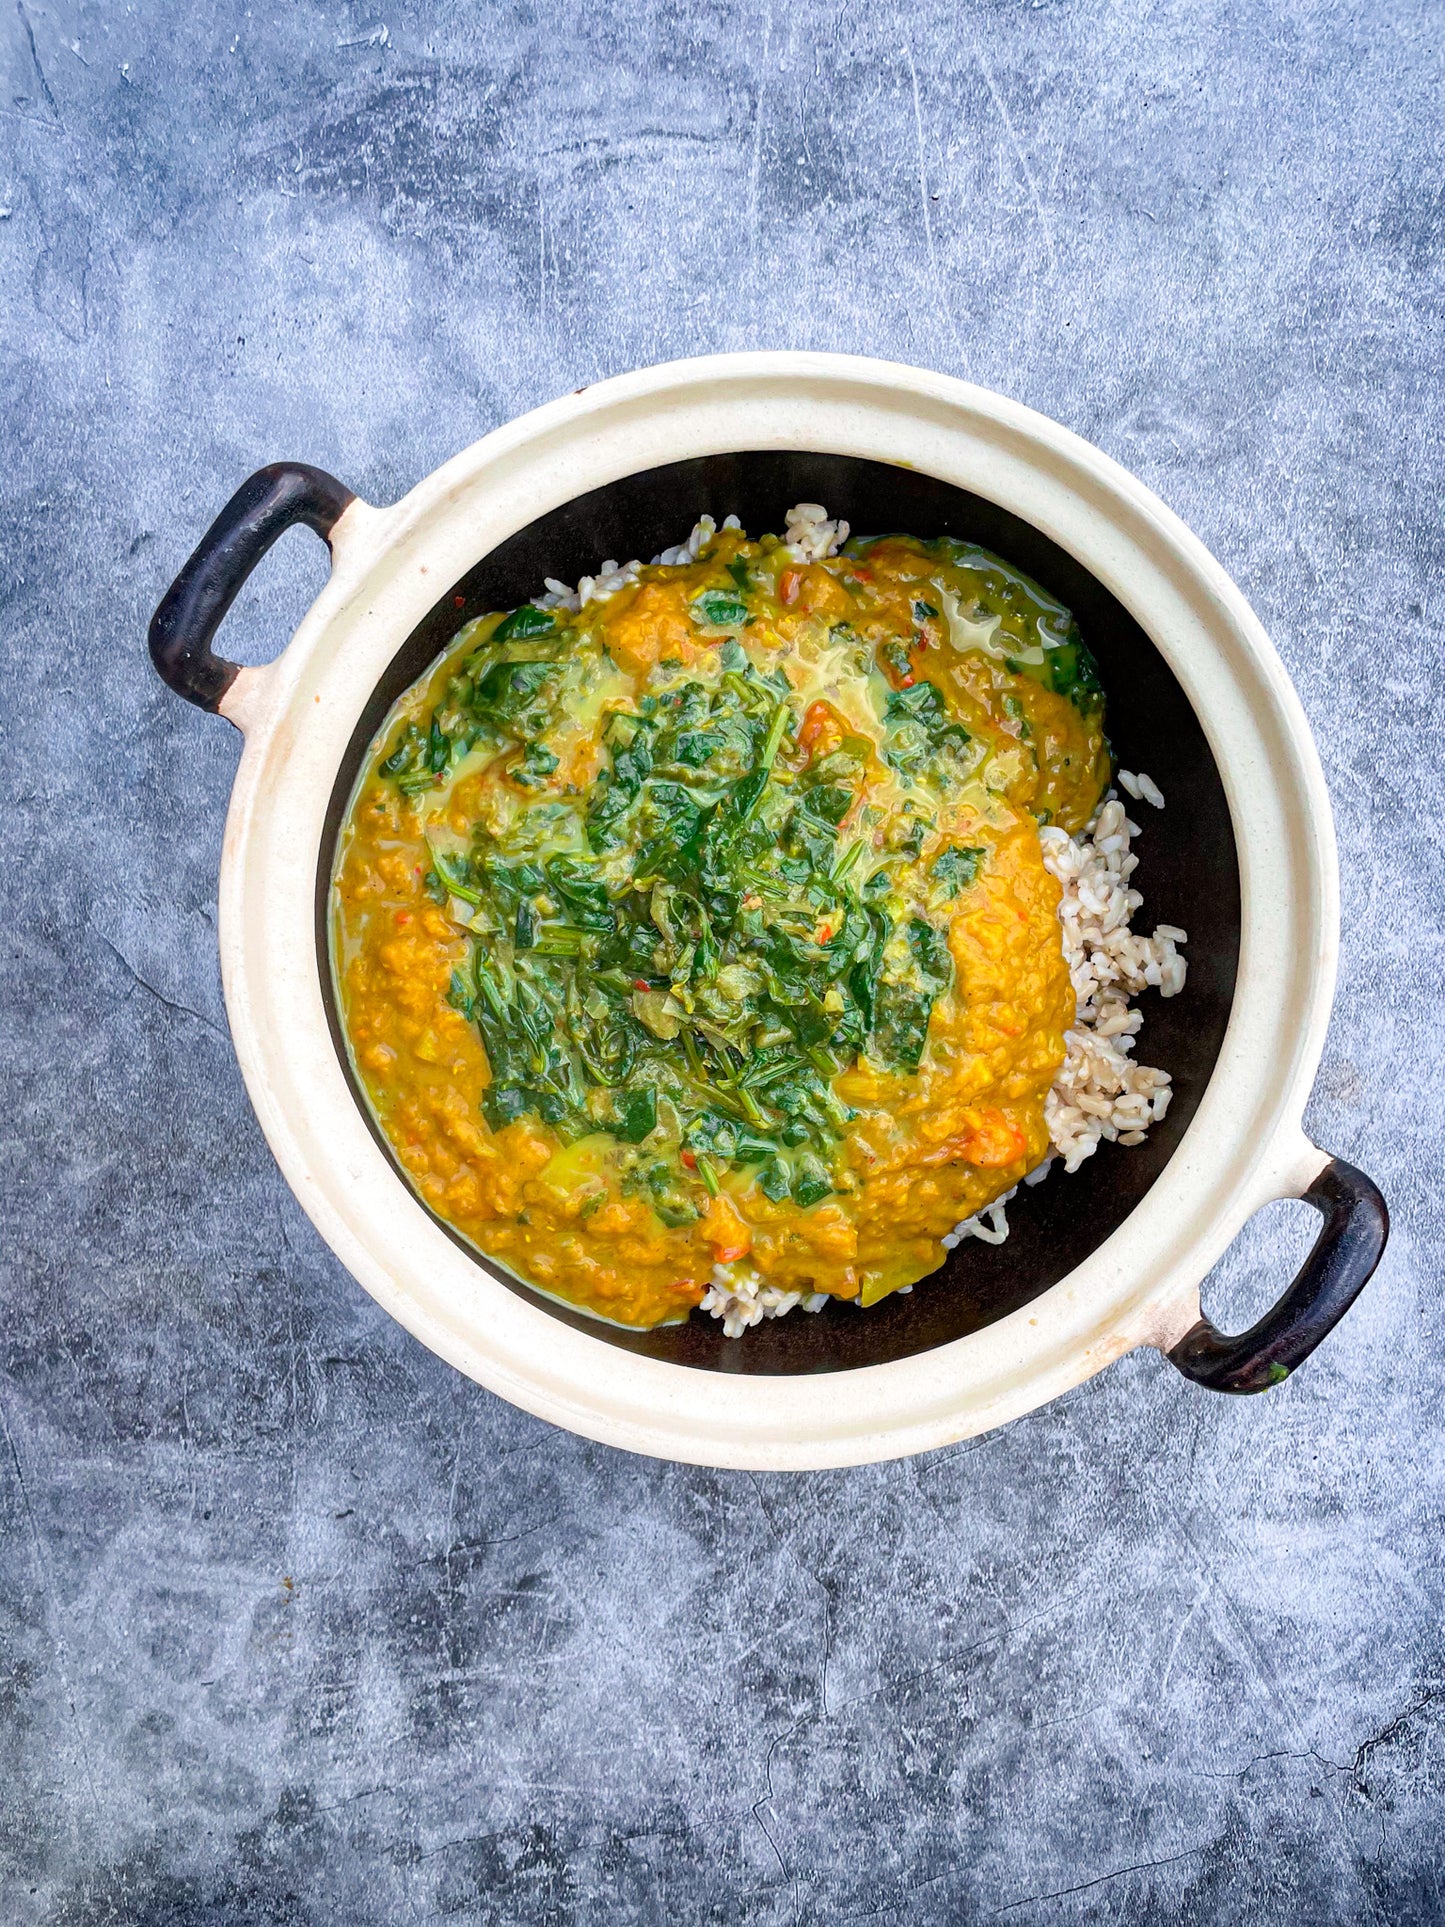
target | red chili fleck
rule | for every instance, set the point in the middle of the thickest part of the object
(789, 583)
(641, 983)
(825, 933)
(403, 916)
(689, 1158)
(459, 601)
(907, 682)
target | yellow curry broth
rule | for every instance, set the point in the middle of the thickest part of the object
(923, 1149)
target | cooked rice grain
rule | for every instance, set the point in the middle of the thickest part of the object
(1100, 1092)
(810, 535)
(739, 1297)
(1141, 788)
(990, 1225)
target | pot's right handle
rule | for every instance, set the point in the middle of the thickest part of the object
(1356, 1225)
(182, 629)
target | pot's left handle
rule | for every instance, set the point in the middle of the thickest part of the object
(182, 629)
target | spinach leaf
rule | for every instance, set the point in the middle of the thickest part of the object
(697, 747)
(930, 954)
(524, 623)
(831, 801)
(736, 810)
(509, 690)
(410, 745)
(811, 1181)
(1073, 672)
(669, 1201)
(617, 789)
(611, 800)
(685, 706)
(607, 1046)
(675, 821)
(900, 1025)
(956, 868)
(922, 704)
(420, 757)
(529, 1069)
(719, 609)
(635, 1114)
(902, 1003)
(712, 1135)
(454, 877)
(537, 764)
(575, 881)
(630, 951)
(774, 1181)
(809, 839)
(920, 727)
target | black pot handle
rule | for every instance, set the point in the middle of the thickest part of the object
(271, 501)
(1356, 1225)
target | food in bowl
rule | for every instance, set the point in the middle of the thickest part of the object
(741, 929)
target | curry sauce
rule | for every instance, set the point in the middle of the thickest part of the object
(706, 924)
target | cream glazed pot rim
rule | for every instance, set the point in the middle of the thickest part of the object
(1244, 1146)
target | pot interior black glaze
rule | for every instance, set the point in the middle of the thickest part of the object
(1188, 871)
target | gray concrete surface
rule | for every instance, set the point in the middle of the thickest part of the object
(297, 1625)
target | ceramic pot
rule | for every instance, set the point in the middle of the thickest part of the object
(1243, 858)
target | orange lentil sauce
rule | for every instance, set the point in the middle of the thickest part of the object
(736, 875)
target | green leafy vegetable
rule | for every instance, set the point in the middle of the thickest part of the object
(905, 993)
(1072, 670)
(524, 623)
(719, 609)
(921, 732)
(636, 1114)
(576, 882)
(509, 690)
(537, 764)
(774, 1181)
(955, 868)
(811, 1181)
